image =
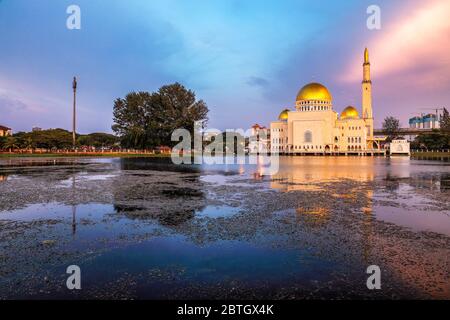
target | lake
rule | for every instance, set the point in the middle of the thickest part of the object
(144, 228)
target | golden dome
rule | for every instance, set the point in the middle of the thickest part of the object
(350, 113)
(314, 91)
(283, 115)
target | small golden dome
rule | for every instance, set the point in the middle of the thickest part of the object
(283, 115)
(350, 113)
(314, 91)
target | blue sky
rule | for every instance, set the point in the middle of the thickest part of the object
(247, 59)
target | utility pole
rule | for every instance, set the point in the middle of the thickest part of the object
(74, 86)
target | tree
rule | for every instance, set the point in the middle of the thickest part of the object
(145, 120)
(98, 140)
(445, 121)
(10, 143)
(436, 140)
(52, 139)
(131, 118)
(391, 127)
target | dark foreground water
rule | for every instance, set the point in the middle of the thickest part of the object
(145, 228)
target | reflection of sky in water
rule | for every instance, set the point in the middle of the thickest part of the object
(217, 211)
(85, 176)
(427, 220)
(413, 210)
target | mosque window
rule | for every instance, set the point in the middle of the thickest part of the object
(308, 137)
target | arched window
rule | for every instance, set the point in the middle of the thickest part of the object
(308, 137)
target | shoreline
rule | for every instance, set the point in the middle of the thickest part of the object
(83, 155)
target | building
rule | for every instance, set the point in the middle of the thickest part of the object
(399, 147)
(426, 121)
(314, 127)
(36, 129)
(5, 131)
(259, 141)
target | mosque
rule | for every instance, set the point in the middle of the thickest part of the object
(315, 128)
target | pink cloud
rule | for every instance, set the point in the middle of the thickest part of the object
(417, 46)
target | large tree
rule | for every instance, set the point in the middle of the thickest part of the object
(145, 120)
(391, 127)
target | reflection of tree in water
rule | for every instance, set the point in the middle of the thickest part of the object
(157, 189)
(156, 164)
(3, 177)
(165, 218)
(445, 182)
(440, 182)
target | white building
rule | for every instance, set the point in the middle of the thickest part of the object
(399, 147)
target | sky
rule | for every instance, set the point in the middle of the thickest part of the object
(247, 59)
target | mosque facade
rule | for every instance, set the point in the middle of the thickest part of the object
(312, 126)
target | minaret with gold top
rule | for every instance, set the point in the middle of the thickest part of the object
(367, 113)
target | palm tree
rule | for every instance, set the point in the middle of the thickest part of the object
(10, 143)
(28, 144)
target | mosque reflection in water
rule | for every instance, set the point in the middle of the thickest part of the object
(313, 174)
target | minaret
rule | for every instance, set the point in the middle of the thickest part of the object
(367, 113)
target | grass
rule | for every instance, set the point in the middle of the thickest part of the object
(82, 155)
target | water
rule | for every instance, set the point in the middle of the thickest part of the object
(145, 228)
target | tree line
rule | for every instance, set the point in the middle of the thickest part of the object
(59, 139)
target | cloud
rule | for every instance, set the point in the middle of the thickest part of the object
(257, 82)
(416, 44)
(10, 105)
